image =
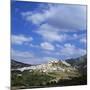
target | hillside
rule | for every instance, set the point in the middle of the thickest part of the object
(53, 73)
(16, 64)
(80, 63)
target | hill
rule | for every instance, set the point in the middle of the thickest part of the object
(80, 63)
(54, 73)
(16, 64)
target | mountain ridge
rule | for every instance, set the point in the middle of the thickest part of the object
(76, 64)
(53, 73)
(17, 64)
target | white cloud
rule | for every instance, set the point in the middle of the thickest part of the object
(34, 45)
(70, 17)
(80, 37)
(48, 59)
(83, 40)
(47, 46)
(28, 57)
(36, 18)
(51, 34)
(58, 46)
(66, 17)
(55, 19)
(52, 21)
(75, 36)
(20, 39)
(20, 55)
(71, 51)
(25, 56)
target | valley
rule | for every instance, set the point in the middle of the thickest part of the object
(53, 73)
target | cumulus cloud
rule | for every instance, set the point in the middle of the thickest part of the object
(26, 57)
(34, 45)
(58, 46)
(20, 39)
(29, 57)
(70, 17)
(66, 51)
(51, 33)
(49, 58)
(71, 51)
(56, 24)
(23, 54)
(36, 18)
(75, 36)
(55, 19)
(66, 17)
(47, 46)
(83, 40)
(80, 37)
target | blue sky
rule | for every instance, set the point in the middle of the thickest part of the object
(41, 32)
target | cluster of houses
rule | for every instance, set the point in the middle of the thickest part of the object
(49, 67)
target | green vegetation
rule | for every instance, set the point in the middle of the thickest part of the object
(35, 79)
(30, 79)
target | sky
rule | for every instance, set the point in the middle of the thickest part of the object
(41, 32)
